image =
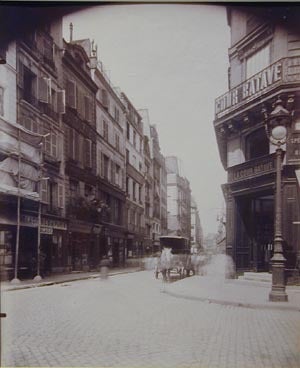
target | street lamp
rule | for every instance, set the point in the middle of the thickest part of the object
(276, 127)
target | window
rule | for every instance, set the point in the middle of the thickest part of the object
(134, 191)
(51, 146)
(140, 194)
(116, 114)
(71, 94)
(74, 190)
(88, 152)
(134, 139)
(29, 124)
(88, 108)
(127, 184)
(117, 143)
(105, 162)
(117, 175)
(258, 61)
(105, 100)
(52, 195)
(44, 191)
(257, 144)
(29, 86)
(1, 101)
(127, 156)
(128, 130)
(105, 130)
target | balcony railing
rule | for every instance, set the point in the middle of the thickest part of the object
(282, 72)
(252, 169)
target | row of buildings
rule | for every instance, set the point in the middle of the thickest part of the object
(81, 169)
(264, 58)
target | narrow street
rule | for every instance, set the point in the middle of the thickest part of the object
(129, 321)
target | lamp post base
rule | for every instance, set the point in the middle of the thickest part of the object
(37, 278)
(278, 295)
(15, 281)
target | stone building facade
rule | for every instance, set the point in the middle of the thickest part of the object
(264, 61)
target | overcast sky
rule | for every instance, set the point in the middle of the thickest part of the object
(171, 60)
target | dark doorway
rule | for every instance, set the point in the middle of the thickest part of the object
(255, 232)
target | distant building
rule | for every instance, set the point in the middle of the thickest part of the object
(196, 228)
(179, 200)
(159, 224)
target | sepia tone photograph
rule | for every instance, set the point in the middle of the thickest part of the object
(150, 184)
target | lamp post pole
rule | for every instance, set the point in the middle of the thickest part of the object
(278, 260)
(276, 128)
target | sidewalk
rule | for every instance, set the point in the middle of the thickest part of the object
(62, 278)
(232, 292)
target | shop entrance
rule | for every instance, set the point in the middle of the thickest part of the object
(254, 232)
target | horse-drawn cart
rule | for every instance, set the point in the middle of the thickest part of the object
(175, 257)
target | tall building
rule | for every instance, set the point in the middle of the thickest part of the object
(135, 171)
(264, 61)
(159, 222)
(111, 165)
(179, 200)
(40, 105)
(80, 151)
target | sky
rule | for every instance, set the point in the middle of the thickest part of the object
(171, 59)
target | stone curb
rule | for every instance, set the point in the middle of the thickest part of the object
(231, 303)
(50, 283)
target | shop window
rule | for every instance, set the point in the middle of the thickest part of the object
(257, 144)
(258, 61)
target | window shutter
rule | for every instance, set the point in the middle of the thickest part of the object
(43, 89)
(60, 196)
(20, 74)
(44, 191)
(61, 101)
(71, 94)
(54, 144)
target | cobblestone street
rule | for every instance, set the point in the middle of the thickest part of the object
(129, 321)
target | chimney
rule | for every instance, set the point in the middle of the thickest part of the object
(71, 32)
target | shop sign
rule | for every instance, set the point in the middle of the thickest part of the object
(56, 224)
(285, 70)
(251, 171)
(46, 230)
(29, 220)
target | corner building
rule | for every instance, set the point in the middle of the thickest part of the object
(264, 65)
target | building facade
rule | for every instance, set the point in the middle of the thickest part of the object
(159, 190)
(179, 200)
(80, 158)
(135, 179)
(264, 65)
(111, 165)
